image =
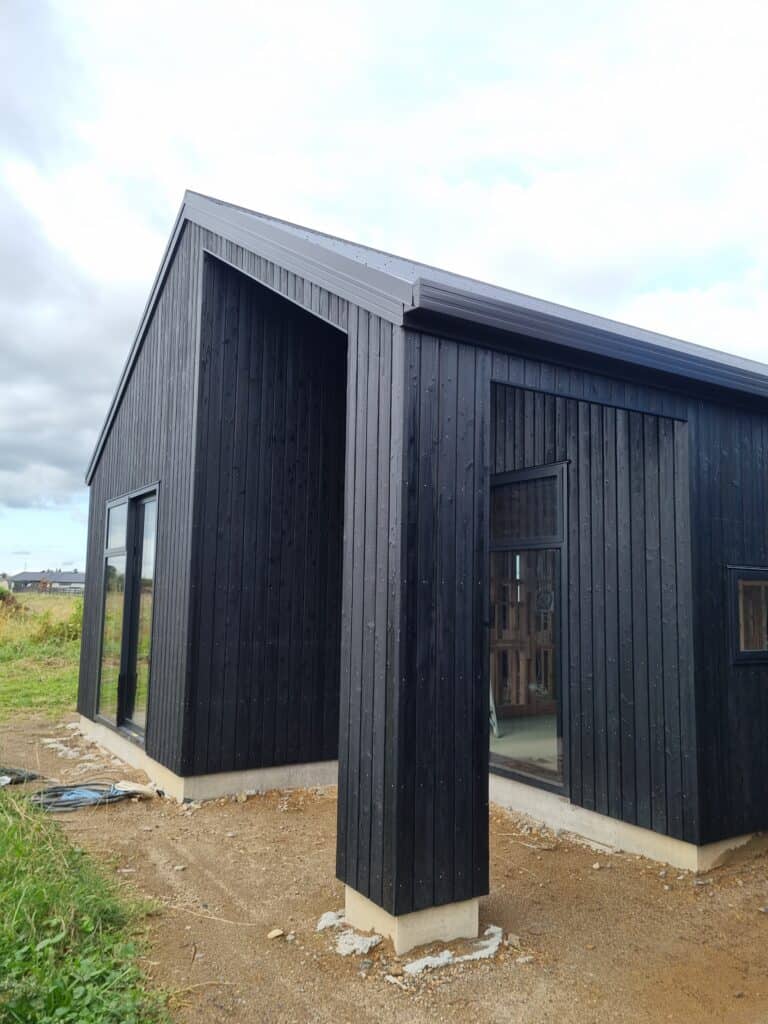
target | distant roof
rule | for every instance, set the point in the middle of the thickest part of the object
(52, 577)
(404, 291)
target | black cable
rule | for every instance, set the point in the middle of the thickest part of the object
(16, 776)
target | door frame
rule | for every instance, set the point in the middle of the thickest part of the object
(559, 541)
(129, 632)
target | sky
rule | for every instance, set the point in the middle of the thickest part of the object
(609, 156)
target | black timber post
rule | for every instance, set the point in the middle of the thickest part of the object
(413, 750)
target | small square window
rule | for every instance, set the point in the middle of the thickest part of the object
(749, 604)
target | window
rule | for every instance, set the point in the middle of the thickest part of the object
(114, 609)
(527, 542)
(749, 613)
(524, 511)
(126, 639)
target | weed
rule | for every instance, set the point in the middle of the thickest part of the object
(67, 952)
(48, 631)
(39, 653)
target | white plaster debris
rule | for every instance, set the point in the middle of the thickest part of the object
(430, 963)
(395, 981)
(330, 919)
(485, 948)
(60, 748)
(351, 943)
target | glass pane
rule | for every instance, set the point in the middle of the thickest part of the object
(753, 615)
(117, 522)
(524, 511)
(525, 730)
(112, 636)
(138, 713)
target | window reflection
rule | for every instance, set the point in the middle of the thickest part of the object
(117, 524)
(112, 637)
(524, 676)
(136, 710)
(524, 510)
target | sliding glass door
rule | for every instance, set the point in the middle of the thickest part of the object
(129, 580)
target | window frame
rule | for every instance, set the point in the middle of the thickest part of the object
(735, 574)
(522, 476)
(558, 540)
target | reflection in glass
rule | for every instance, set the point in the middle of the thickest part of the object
(114, 589)
(753, 615)
(117, 524)
(136, 709)
(524, 511)
(524, 672)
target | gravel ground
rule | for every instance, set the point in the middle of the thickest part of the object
(595, 937)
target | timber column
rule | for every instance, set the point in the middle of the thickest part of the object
(412, 844)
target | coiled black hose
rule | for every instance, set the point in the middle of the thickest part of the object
(74, 796)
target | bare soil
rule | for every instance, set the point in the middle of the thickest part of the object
(625, 941)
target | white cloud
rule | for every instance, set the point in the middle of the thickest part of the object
(609, 156)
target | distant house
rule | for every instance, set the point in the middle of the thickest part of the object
(62, 582)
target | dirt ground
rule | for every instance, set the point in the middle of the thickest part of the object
(625, 941)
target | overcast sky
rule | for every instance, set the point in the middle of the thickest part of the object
(611, 156)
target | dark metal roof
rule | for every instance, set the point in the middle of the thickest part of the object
(400, 289)
(51, 577)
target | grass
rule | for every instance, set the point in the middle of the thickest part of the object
(67, 947)
(39, 653)
(68, 953)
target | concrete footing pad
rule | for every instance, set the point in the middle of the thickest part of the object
(435, 924)
(557, 812)
(209, 787)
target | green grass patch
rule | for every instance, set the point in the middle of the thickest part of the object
(68, 953)
(39, 652)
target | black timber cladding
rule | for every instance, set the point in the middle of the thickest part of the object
(369, 811)
(629, 733)
(728, 472)
(444, 712)
(265, 624)
(729, 527)
(151, 440)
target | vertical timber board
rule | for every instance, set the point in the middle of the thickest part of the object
(423, 672)
(654, 624)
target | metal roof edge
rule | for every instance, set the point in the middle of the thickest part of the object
(587, 332)
(347, 278)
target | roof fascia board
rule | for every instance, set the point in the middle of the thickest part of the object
(375, 290)
(588, 333)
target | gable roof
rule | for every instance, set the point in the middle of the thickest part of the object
(402, 290)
